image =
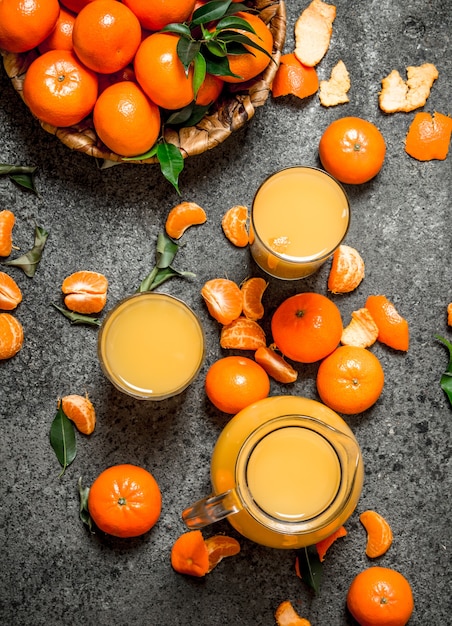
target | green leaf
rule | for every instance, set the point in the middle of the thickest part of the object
(78, 318)
(179, 28)
(211, 11)
(165, 253)
(166, 250)
(30, 261)
(147, 155)
(446, 378)
(310, 567)
(168, 272)
(197, 114)
(199, 72)
(84, 511)
(62, 439)
(171, 163)
(219, 66)
(234, 22)
(217, 48)
(180, 117)
(232, 36)
(22, 175)
(187, 50)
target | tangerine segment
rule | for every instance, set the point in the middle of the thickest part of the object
(125, 501)
(325, 544)
(234, 224)
(347, 270)
(285, 615)
(306, 327)
(11, 336)
(242, 334)
(252, 291)
(219, 547)
(294, 78)
(275, 365)
(182, 216)
(189, 554)
(80, 410)
(10, 293)
(379, 533)
(362, 330)
(393, 329)
(449, 314)
(223, 299)
(350, 380)
(379, 596)
(429, 136)
(7, 221)
(86, 291)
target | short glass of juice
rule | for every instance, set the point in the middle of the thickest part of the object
(299, 216)
(151, 346)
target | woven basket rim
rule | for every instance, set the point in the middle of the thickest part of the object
(228, 116)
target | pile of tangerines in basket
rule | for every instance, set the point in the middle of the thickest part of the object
(132, 65)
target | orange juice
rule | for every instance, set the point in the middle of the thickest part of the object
(295, 467)
(300, 215)
(151, 346)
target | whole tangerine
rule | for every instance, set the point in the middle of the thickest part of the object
(159, 13)
(234, 382)
(24, 25)
(160, 72)
(352, 150)
(106, 36)
(58, 89)
(350, 380)
(125, 501)
(380, 596)
(307, 327)
(126, 120)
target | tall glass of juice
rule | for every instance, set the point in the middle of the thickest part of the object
(286, 472)
(151, 346)
(299, 216)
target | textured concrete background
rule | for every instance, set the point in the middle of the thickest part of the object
(53, 571)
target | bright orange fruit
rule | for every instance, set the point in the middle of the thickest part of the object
(189, 554)
(429, 136)
(379, 533)
(85, 291)
(11, 336)
(294, 78)
(347, 270)
(182, 216)
(223, 299)
(24, 25)
(393, 329)
(275, 365)
(10, 293)
(242, 334)
(235, 225)
(80, 410)
(285, 615)
(7, 221)
(252, 291)
(219, 547)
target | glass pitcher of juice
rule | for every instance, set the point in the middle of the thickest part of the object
(286, 472)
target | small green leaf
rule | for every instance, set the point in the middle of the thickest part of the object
(180, 117)
(168, 272)
(179, 28)
(446, 378)
(30, 261)
(199, 72)
(165, 253)
(171, 163)
(141, 157)
(84, 511)
(219, 66)
(78, 318)
(234, 22)
(211, 11)
(232, 36)
(217, 48)
(22, 175)
(310, 567)
(62, 439)
(197, 114)
(186, 51)
(166, 250)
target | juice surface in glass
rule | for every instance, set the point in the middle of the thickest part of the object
(300, 215)
(293, 473)
(151, 346)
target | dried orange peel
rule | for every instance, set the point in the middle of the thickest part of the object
(235, 225)
(10, 293)
(399, 95)
(428, 136)
(379, 533)
(242, 334)
(334, 91)
(324, 545)
(293, 78)
(80, 410)
(182, 216)
(313, 30)
(219, 547)
(285, 615)
(347, 270)
(362, 330)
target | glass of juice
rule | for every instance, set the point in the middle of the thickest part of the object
(151, 346)
(299, 216)
(286, 473)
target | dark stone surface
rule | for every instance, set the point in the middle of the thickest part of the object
(53, 571)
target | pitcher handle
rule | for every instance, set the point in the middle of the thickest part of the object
(211, 509)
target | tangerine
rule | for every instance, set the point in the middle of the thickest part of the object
(307, 327)
(210, 90)
(182, 216)
(350, 380)
(80, 410)
(75, 5)
(125, 500)
(275, 365)
(85, 291)
(294, 78)
(428, 136)
(235, 225)
(242, 334)
(234, 382)
(7, 221)
(125, 119)
(189, 554)
(380, 596)
(10, 293)
(352, 150)
(11, 336)
(379, 533)
(160, 72)
(24, 25)
(159, 13)
(252, 292)
(219, 547)
(58, 89)
(223, 299)
(249, 64)
(106, 36)
(61, 36)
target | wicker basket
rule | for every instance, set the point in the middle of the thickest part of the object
(230, 113)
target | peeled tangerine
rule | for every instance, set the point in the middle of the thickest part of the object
(285, 615)
(347, 270)
(11, 336)
(85, 291)
(362, 330)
